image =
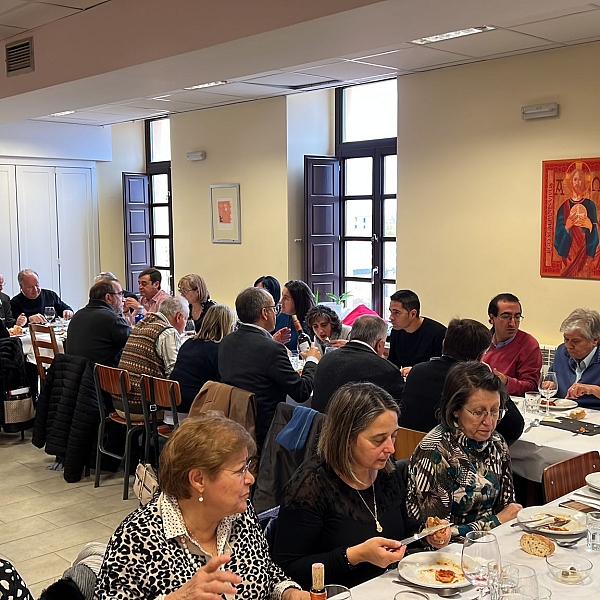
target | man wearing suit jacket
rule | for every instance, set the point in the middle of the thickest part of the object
(359, 360)
(251, 359)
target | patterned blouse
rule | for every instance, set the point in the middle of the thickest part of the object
(147, 559)
(454, 477)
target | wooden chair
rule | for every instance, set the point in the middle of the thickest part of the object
(38, 343)
(568, 475)
(115, 382)
(406, 441)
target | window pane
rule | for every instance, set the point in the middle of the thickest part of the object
(160, 189)
(162, 256)
(390, 174)
(389, 260)
(358, 259)
(388, 290)
(160, 140)
(166, 281)
(390, 207)
(359, 176)
(362, 293)
(371, 111)
(160, 215)
(359, 218)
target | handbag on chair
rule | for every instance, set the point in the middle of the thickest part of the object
(145, 483)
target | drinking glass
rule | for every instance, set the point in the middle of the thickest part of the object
(190, 327)
(527, 578)
(593, 530)
(339, 592)
(50, 313)
(532, 402)
(548, 386)
(479, 549)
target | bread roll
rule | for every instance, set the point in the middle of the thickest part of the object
(577, 414)
(536, 544)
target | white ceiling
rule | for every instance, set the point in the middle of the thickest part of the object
(271, 64)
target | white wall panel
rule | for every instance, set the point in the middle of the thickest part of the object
(9, 241)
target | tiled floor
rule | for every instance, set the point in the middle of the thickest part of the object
(44, 521)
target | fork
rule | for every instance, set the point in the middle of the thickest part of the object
(516, 524)
(558, 523)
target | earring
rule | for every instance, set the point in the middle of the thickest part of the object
(200, 499)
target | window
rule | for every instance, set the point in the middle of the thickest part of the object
(366, 118)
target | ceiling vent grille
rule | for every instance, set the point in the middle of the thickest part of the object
(19, 57)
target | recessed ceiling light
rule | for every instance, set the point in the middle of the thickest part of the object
(452, 34)
(163, 98)
(206, 85)
(62, 114)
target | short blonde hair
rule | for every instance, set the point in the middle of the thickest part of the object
(216, 323)
(205, 442)
(195, 282)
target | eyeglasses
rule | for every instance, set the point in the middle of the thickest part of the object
(184, 291)
(121, 293)
(241, 472)
(276, 309)
(482, 415)
(508, 317)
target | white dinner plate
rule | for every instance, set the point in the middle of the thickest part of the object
(559, 404)
(419, 569)
(593, 480)
(574, 526)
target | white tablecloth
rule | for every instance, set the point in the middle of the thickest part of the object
(543, 446)
(382, 588)
(28, 346)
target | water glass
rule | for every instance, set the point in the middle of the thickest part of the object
(339, 592)
(50, 313)
(502, 580)
(190, 327)
(593, 530)
(532, 402)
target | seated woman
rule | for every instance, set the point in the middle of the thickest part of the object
(327, 327)
(198, 359)
(338, 505)
(174, 548)
(193, 288)
(296, 299)
(461, 469)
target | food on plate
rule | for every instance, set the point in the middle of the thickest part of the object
(556, 528)
(16, 330)
(548, 402)
(445, 570)
(444, 575)
(577, 414)
(536, 544)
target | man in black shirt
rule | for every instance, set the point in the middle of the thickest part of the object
(414, 339)
(32, 300)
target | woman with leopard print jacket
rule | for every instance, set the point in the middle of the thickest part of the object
(200, 537)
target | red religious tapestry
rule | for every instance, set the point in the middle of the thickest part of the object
(570, 200)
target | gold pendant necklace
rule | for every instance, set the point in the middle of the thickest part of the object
(373, 514)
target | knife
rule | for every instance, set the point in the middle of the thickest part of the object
(427, 531)
(595, 501)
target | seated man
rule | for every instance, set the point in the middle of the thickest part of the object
(151, 296)
(152, 348)
(32, 300)
(577, 361)
(6, 315)
(414, 339)
(98, 332)
(514, 355)
(465, 339)
(252, 360)
(359, 360)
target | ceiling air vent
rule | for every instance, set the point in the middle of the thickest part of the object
(19, 57)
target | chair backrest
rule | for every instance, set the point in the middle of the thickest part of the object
(38, 343)
(568, 475)
(406, 441)
(114, 381)
(165, 393)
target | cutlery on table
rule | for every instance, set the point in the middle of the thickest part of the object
(558, 523)
(441, 592)
(538, 520)
(570, 543)
(427, 531)
(533, 423)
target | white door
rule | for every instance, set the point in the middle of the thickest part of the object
(77, 234)
(37, 225)
(9, 237)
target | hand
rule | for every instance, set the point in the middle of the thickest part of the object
(294, 594)
(38, 319)
(404, 371)
(503, 378)
(585, 223)
(441, 538)
(378, 551)
(21, 320)
(130, 303)
(67, 314)
(569, 222)
(283, 336)
(209, 582)
(313, 351)
(338, 343)
(583, 389)
(509, 513)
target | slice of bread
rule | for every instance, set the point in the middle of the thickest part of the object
(577, 414)
(536, 544)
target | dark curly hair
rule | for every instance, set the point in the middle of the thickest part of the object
(324, 312)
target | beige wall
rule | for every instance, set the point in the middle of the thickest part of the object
(469, 181)
(127, 156)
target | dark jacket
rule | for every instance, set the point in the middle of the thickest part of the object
(22, 304)
(251, 359)
(423, 392)
(98, 333)
(6, 312)
(354, 362)
(66, 422)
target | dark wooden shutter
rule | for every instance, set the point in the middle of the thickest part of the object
(322, 228)
(137, 227)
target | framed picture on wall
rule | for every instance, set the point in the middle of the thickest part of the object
(570, 202)
(225, 222)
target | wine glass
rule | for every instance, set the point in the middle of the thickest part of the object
(190, 327)
(50, 313)
(548, 386)
(479, 549)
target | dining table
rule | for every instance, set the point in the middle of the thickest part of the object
(384, 588)
(61, 334)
